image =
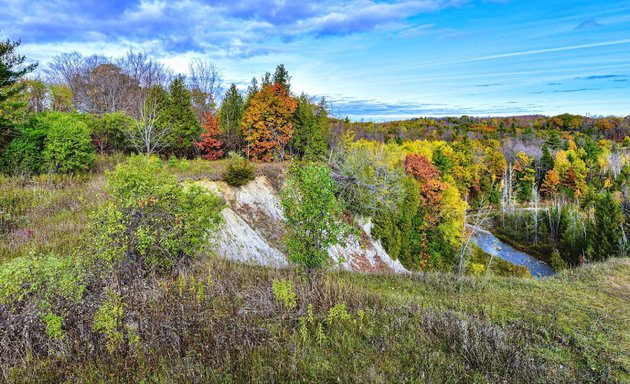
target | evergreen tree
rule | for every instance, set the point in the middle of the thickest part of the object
(12, 70)
(184, 127)
(231, 115)
(546, 163)
(281, 76)
(310, 123)
(554, 141)
(501, 130)
(252, 90)
(266, 79)
(607, 231)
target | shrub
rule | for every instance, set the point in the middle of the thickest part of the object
(557, 263)
(239, 171)
(477, 269)
(108, 131)
(46, 279)
(23, 155)
(284, 293)
(108, 319)
(68, 147)
(153, 222)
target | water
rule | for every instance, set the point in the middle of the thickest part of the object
(490, 244)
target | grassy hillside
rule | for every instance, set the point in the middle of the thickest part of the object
(360, 328)
(224, 322)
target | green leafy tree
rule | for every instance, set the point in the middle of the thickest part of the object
(230, 116)
(184, 128)
(61, 98)
(312, 214)
(68, 146)
(108, 131)
(23, 155)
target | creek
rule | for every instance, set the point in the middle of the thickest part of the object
(493, 246)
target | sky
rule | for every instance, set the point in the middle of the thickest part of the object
(373, 60)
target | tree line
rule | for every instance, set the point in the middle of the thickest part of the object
(136, 104)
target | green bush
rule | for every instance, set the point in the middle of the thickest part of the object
(23, 155)
(152, 222)
(108, 131)
(239, 171)
(557, 263)
(43, 279)
(68, 146)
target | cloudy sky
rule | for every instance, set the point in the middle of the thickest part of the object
(375, 60)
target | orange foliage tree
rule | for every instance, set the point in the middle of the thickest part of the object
(267, 123)
(431, 188)
(428, 176)
(210, 145)
(550, 183)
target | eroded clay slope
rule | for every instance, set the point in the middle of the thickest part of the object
(253, 231)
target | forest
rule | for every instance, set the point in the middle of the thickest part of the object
(107, 267)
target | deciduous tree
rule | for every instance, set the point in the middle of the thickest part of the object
(312, 214)
(209, 144)
(267, 123)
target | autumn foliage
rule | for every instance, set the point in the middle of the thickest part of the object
(267, 123)
(431, 187)
(210, 144)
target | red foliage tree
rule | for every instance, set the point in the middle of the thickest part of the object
(210, 145)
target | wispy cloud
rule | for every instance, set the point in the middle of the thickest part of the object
(588, 23)
(600, 77)
(546, 50)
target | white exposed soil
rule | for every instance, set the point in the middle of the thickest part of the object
(253, 230)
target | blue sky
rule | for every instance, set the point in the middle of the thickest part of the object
(374, 60)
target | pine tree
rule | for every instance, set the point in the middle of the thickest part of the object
(184, 127)
(231, 115)
(310, 122)
(607, 231)
(12, 71)
(546, 163)
(281, 76)
(266, 79)
(252, 90)
(554, 141)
